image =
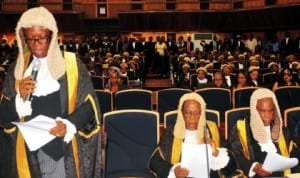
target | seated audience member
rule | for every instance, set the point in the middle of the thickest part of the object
(253, 76)
(227, 73)
(104, 70)
(184, 77)
(210, 70)
(218, 81)
(241, 80)
(190, 128)
(273, 67)
(253, 139)
(201, 80)
(123, 69)
(115, 83)
(286, 78)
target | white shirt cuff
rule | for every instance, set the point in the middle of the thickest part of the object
(221, 160)
(251, 172)
(70, 129)
(23, 108)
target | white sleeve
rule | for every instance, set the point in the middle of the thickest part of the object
(22, 108)
(70, 131)
(221, 160)
(251, 173)
(172, 173)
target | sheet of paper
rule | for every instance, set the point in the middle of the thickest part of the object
(275, 162)
(36, 131)
(193, 158)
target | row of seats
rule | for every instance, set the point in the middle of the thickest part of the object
(127, 155)
(219, 99)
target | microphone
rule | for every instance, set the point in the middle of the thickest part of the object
(36, 65)
(206, 151)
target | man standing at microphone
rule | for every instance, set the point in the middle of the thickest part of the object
(60, 88)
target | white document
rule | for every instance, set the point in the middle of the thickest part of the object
(275, 162)
(36, 131)
(194, 158)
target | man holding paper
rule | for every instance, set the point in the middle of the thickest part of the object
(262, 145)
(44, 84)
(174, 155)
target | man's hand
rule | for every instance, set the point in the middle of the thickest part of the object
(26, 86)
(181, 172)
(59, 130)
(260, 171)
(215, 151)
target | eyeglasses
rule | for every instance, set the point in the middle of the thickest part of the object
(31, 41)
(191, 114)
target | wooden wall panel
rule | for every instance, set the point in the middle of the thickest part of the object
(274, 19)
(188, 6)
(156, 6)
(50, 1)
(254, 4)
(114, 9)
(14, 7)
(218, 6)
(53, 7)
(90, 11)
(287, 1)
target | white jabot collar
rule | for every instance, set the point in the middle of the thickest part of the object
(269, 146)
(191, 136)
(45, 83)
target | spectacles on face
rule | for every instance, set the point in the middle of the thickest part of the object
(31, 41)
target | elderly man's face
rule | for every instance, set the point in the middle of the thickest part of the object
(266, 109)
(38, 40)
(191, 111)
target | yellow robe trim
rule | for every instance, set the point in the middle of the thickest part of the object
(22, 162)
(214, 132)
(21, 156)
(176, 151)
(72, 79)
(96, 130)
(284, 152)
(241, 126)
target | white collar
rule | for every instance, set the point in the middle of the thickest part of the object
(45, 83)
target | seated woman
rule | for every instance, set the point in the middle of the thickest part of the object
(253, 139)
(241, 80)
(115, 83)
(189, 128)
(286, 78)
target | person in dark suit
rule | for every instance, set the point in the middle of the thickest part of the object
(189, 45)
(214, 44)
(287, 45)
(230, 79)
(171, 46)
(181, 45)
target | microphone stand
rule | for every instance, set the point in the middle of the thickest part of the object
(206, 151)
